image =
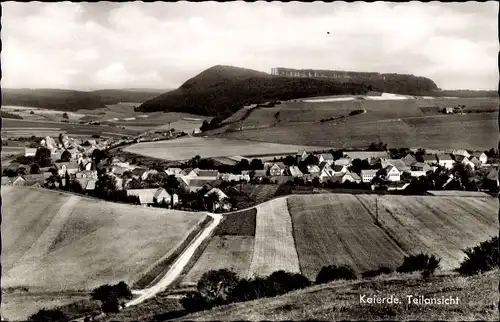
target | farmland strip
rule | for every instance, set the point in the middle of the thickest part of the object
(274, 244)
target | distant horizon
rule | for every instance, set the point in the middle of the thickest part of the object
(161, 45)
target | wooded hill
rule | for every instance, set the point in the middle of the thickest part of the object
(222, 90)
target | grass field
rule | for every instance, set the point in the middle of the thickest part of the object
(439, 225)
(335, 229)
(241, 223)
(259, 192)
(229, 252)
(187, 147)
(274, 243)
(478, 300)
(470, 131)
(57, 242)
(21, 127)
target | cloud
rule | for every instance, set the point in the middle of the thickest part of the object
(161, 45)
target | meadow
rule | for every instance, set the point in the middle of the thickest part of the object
(187, 147)
(340, 300)
(274, 247)
(58, 242)
(471, 131)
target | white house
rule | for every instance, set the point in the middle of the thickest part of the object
(461, 152)
(344, 161)
(295, 172)
(393, 174)
(325, 175)
(222, 196)
(326, 157)
(368, 175)
(481, 156)
(417, 173)
(339, 168)
(313, 169)
(445, 160)
(161, 195)
(29, 152)
(147, 173)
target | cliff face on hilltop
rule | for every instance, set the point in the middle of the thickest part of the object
(222, 90)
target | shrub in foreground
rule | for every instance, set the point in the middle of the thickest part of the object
(481, 258)
(44, 315)
(377, 272)
(420, 262)
(332, 273)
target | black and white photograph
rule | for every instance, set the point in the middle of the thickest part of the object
(249, 161)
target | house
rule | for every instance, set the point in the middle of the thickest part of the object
(91, 185)
(69, 167)
(222, 203)
(138, 172)
(481, 156)
(19, 181)
(162, 196)
(193, 184)
(355, 177)
(461, 152)
(417, 174)
(325, 166)
(295, 172)
(82, 182)
(326, 157)
(420, 166)
(177, 172)
(208, 173)
(397, 163)
(344, 161)
(146, 196)
(429, 159)
(277, 169)
(341, 177)
(366, 155)
(86, 174)
(493, 175)
(313, 169)
(445, 160)
(476, 162)
(190, 173)
(368, 175)
(339, 168)
(147, 173)
(449, 110)
(29, 152)
(302, 155)
(325, 175)
(409, 160)
(392, 173)
(234, 177)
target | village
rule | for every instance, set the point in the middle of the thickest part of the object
(88, 167)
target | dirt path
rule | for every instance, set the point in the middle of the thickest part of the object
(178, 266)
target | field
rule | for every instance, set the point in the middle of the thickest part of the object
(11, 128)
(471, 131)
(336, 229)
(439, 225)
(187, 147)
(478, 300)
(399, 123)
(57, 242)
(229, 252)
(261, 192)
(274, 245)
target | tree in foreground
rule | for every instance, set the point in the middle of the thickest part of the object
(65, 156)
(481, 258)
(333, 272)
(42, 157)
(44, 315)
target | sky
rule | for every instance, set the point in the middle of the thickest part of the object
(160, 45)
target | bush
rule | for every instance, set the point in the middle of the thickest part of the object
(420, 262)
(111, 305)
(481, 258)
(282, 282)
(216, 286)
(356, 112)
(44, 315)
(377, 272)
(194, 301)
(332, 272)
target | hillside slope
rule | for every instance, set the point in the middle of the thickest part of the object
(56, 241)
(478, 300)
(115, 96)
(222, 90)
(54, 99)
